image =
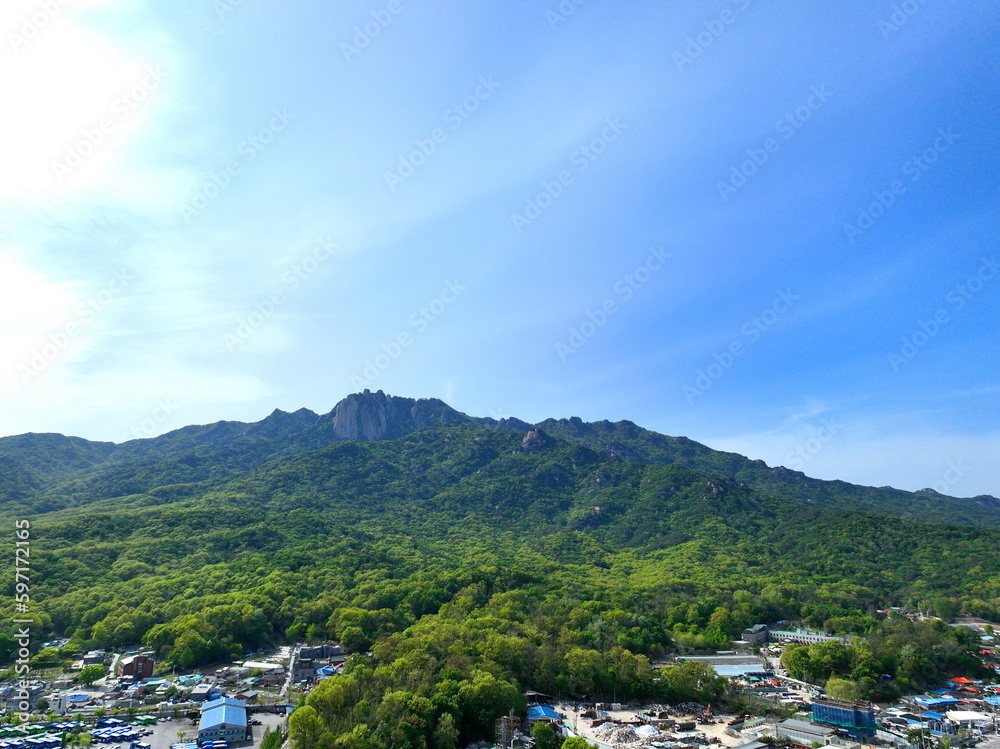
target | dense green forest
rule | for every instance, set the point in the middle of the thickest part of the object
(915, 654)
(476, 559)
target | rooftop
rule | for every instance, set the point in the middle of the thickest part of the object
(543, 712)
(223, 710)
(805, 726)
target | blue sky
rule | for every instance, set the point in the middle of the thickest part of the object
(770, 227)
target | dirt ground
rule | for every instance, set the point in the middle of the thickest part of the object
(582, 725)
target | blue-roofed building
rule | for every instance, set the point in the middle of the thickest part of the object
(223, 719)
(935, 702)
(543, 712)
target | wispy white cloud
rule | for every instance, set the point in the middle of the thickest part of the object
(877, 451)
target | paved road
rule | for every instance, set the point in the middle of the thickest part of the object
(992, 741)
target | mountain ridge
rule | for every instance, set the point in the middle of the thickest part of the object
(74, 468)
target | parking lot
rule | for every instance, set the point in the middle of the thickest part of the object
(168, 732)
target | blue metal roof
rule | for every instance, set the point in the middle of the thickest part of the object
(223, 710)
(933, 701)
(542, 711)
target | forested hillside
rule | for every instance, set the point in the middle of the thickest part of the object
(479, 558)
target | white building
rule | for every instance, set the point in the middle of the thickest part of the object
(804, 636)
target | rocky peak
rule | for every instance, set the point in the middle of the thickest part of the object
(535, 440)
(377, 416)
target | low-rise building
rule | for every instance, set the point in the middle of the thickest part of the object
(263, 666)
(969, 719)
(730, 666)
(57, 702)
(15, 696)
(269, 679)
(136, 666)
(94, 658)
(150, 686)
(803, 636)
(204, 693)
(804, 732)
(313, 652)
(756, 635)
(224, 719)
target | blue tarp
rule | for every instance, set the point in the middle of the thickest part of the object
(933, 715)
(935, 701)
(542, 712)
